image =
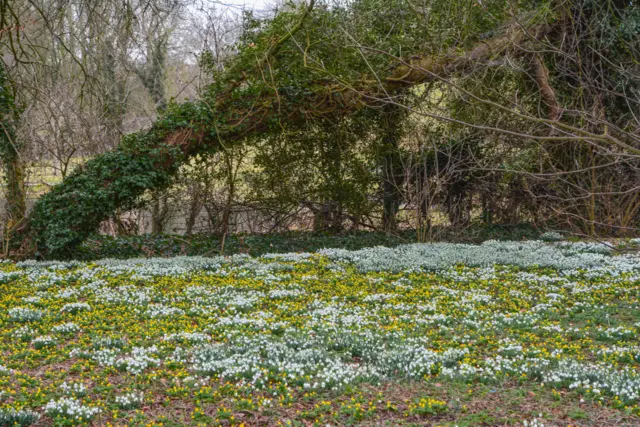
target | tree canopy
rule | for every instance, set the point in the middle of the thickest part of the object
(558, 79)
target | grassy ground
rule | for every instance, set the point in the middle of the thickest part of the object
(371, 338)
(398, 404)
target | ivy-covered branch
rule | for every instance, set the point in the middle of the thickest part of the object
(233, 108)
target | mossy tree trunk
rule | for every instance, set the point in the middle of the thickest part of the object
(12, 162)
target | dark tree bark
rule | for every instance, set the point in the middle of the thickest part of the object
(392, 167)
(12, 162)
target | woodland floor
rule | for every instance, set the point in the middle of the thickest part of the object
(511, 333)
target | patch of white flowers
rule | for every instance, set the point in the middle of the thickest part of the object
(140, 359)
(24, 333)
(66, 328)
(71, 408)
(44, 341)
(73, 389)
(551, 236)
(439, 256)
(190, 337)
(621, 353)
(130, 400)
(290, 293)
(22, 417)
(596, 378)
(616, 333)
(534, 422)
(35, 299)
(103, 356)
(159, 310)
(67, 293)
(75, 307)
(25, 314)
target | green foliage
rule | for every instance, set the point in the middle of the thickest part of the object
(101, 246)
(64, 217)
(201, 244)
(327, 161)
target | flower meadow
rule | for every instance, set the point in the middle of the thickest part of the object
(525, 333)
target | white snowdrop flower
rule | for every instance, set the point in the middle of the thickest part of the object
(44, 341)
(159, 310)
(65, 328)
(70, 408)
(191, 337)
(32, 299)
(74, 389)
(130, 400)
(25, 314)
(75, 307)
(24, 333)
(22, 417)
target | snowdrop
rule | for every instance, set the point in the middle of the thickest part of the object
(71, 408)
(75, 307)
(130, 400)
(25, 314)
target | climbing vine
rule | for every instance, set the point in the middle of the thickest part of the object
(64, 217)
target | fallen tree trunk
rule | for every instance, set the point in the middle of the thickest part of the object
(74, 209)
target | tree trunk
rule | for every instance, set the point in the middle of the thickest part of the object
(16, 196)
(194, 210)
(13, 164)
(322, 217)
(159, 212)
(152, 76)
(392, 168)
(114, 103)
